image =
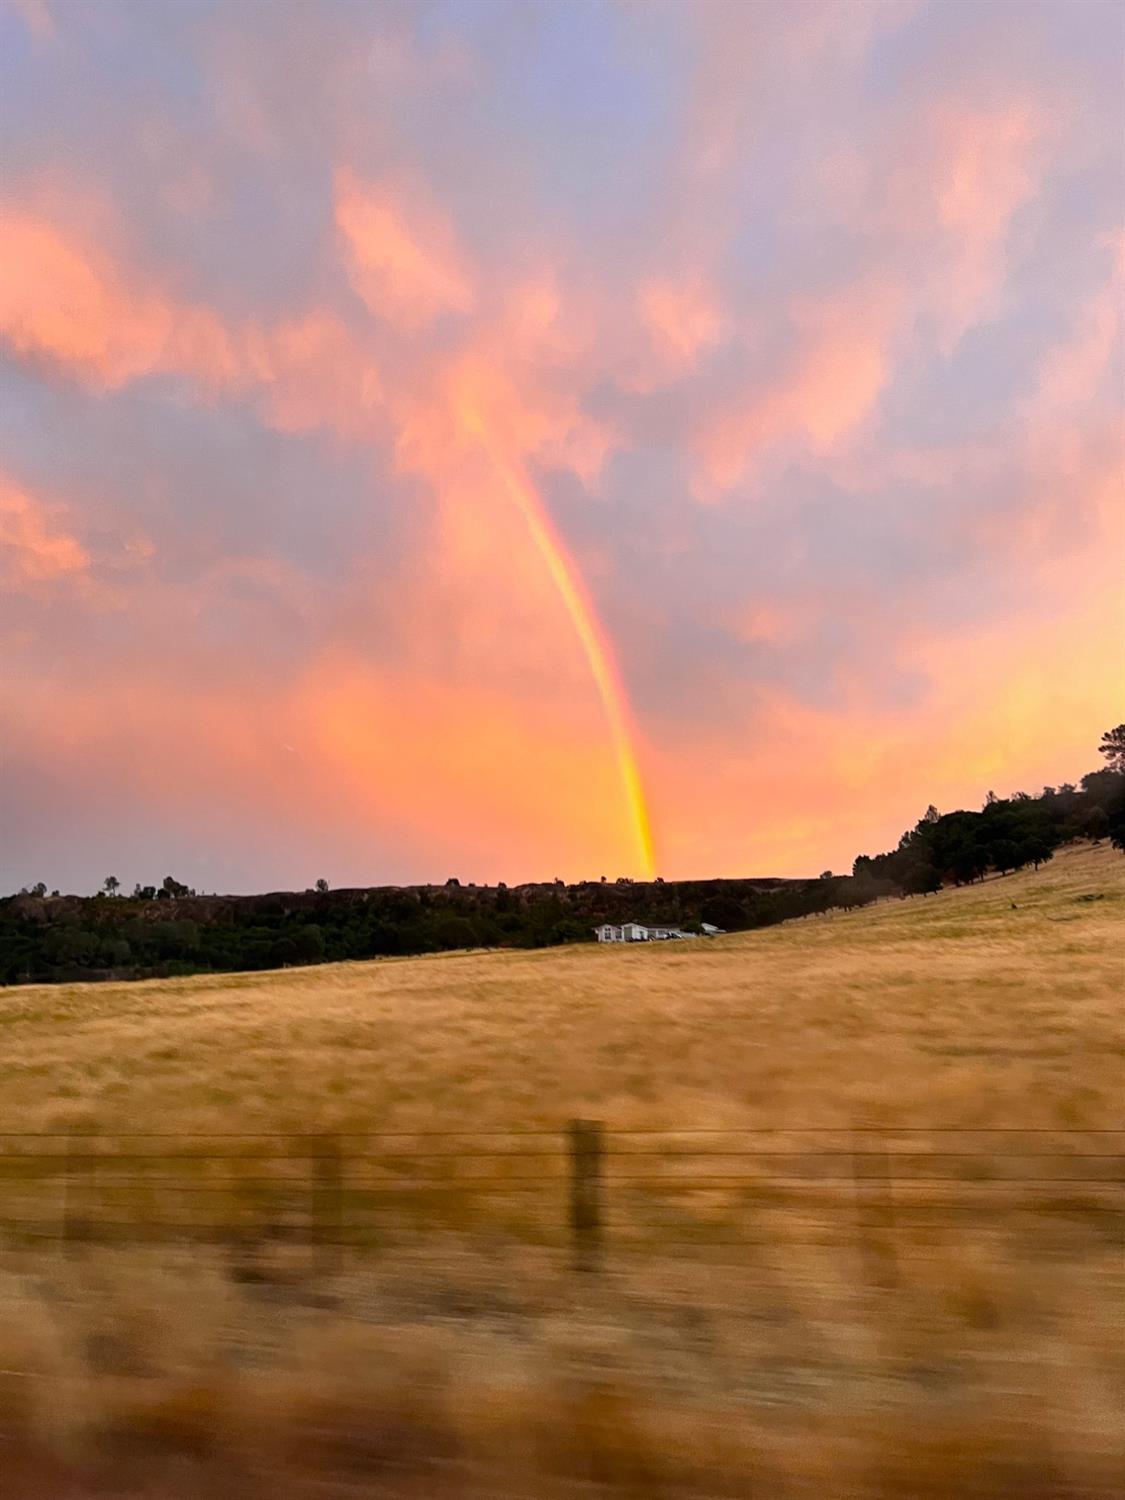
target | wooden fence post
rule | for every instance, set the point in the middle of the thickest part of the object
(586, 1153)
(327, 1203)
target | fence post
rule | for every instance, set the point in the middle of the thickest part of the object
(327, 1203)
(872, 1172)
(586, 1153)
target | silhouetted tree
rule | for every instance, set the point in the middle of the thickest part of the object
(1113, 748)
(457, 932)
(1094, 823)
(1115, 813)
(308, 944)
(724, 911)
(1101, 786)
(1006, 855)
(322, 886)
(111, 885)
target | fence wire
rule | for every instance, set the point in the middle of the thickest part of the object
(595, 1190)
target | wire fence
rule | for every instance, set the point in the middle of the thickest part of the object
(595, 1195)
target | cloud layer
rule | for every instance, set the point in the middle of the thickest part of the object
(443, 439)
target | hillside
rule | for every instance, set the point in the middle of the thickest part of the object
(993, 1000)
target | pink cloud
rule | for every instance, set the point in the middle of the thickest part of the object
(947, 205)
(830, 378)
(682, 318)
(35, 545)
(67, 300)
(401, 252)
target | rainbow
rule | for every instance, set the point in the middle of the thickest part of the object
(595, 644)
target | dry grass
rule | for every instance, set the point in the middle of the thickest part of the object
(938, 1355)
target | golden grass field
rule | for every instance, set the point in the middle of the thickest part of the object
(960, 1331)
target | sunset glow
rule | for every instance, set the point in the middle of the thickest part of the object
(519, 441)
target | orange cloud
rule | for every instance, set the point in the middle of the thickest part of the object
(311, 372)
(68, 302)
(401, 254)
(62, 301)
(33, 546)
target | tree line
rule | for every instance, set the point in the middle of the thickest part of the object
(169, 929)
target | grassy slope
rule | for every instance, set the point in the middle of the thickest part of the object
(999, 1003)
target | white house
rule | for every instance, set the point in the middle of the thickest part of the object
(633, 932)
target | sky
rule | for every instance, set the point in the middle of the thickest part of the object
(528, 440)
